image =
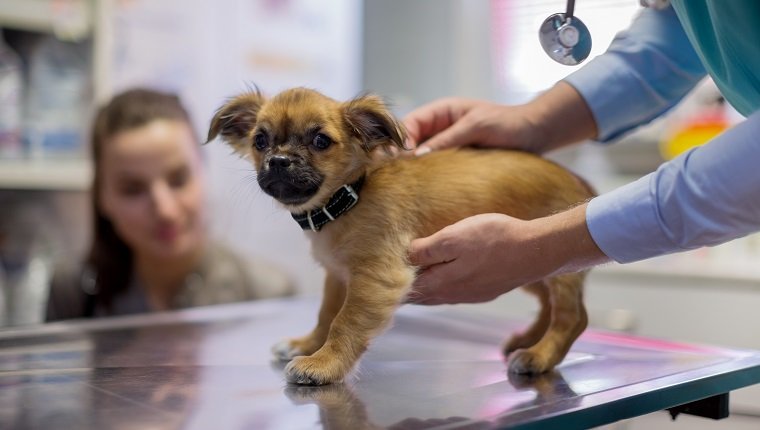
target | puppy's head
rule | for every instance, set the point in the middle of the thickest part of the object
(303, 144)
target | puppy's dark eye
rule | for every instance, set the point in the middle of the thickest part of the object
(321, 141)
(261, 141)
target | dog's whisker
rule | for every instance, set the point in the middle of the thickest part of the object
(252, 178)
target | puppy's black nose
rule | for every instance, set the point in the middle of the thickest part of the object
(279, 162)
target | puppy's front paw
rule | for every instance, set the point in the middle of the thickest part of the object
(519, 341)
(314, 370)
(525, 361)
(285, 350)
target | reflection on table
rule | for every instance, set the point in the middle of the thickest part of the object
(211, 368)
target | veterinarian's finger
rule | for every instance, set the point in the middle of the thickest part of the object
(431, 285)
(433, 118)
(426, 121)
(423, 300)
(422, 292)
(459, 134)
(449, 138)
(431, 250)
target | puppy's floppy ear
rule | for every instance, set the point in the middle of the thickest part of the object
(370, 120)
(235, 120)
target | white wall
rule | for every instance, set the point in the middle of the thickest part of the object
(418, 50)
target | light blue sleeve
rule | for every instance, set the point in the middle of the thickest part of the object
(646, 70)
(705, 197)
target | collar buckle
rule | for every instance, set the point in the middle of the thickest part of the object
(352, 193)
(343, 200)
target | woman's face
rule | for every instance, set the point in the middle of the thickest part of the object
(152, 188)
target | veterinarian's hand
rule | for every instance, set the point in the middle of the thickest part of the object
(452, 122)
(484, 256)
(475, 260)
(556, 118)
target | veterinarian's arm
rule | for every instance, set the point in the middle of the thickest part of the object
(555, 118)
(705, 197)
(646, 70)
(482, 257)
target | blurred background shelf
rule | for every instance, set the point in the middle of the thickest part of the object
(45, 174)
(70, 19)
(25, 24)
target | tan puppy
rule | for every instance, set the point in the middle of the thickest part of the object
(315, 156)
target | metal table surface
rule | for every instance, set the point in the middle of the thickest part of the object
(210, 368)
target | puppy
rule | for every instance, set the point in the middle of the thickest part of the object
(316, 156)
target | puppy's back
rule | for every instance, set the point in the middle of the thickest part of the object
(443, 187)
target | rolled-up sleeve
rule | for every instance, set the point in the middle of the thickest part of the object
(705, 197)
(646, 70)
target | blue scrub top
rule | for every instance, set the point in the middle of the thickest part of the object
(726, 36)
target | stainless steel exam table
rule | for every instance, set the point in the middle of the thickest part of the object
(210, 368)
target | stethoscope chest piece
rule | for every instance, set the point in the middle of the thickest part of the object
(567, 41)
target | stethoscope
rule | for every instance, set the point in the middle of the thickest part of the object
(566, 38)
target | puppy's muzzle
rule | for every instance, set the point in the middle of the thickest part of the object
(288, 180)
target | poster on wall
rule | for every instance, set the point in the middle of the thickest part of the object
(206, 51)
(152, 44)
(287, 43)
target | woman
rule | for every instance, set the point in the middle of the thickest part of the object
(150, 250)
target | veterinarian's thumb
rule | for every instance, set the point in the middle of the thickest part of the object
(429, 251)
(456, 135)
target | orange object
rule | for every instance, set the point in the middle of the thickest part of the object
(695, 132)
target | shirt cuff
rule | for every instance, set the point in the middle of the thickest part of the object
(624, 223)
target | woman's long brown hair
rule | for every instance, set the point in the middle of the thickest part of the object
(109, 257)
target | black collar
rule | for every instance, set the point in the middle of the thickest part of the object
(340, 202)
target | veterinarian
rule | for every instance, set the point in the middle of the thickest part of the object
(707, 196)
(150, 249)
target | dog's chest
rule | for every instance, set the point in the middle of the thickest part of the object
(329, 256)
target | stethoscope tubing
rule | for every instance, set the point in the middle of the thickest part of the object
(569, 10)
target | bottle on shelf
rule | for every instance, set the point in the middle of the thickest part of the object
(11, 81)
(58, 99)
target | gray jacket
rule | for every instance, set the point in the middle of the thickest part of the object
(222, 277)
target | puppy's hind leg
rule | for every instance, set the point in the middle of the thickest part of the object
(568, 320)
(536, 331)
(372, 296)
(332, 300)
